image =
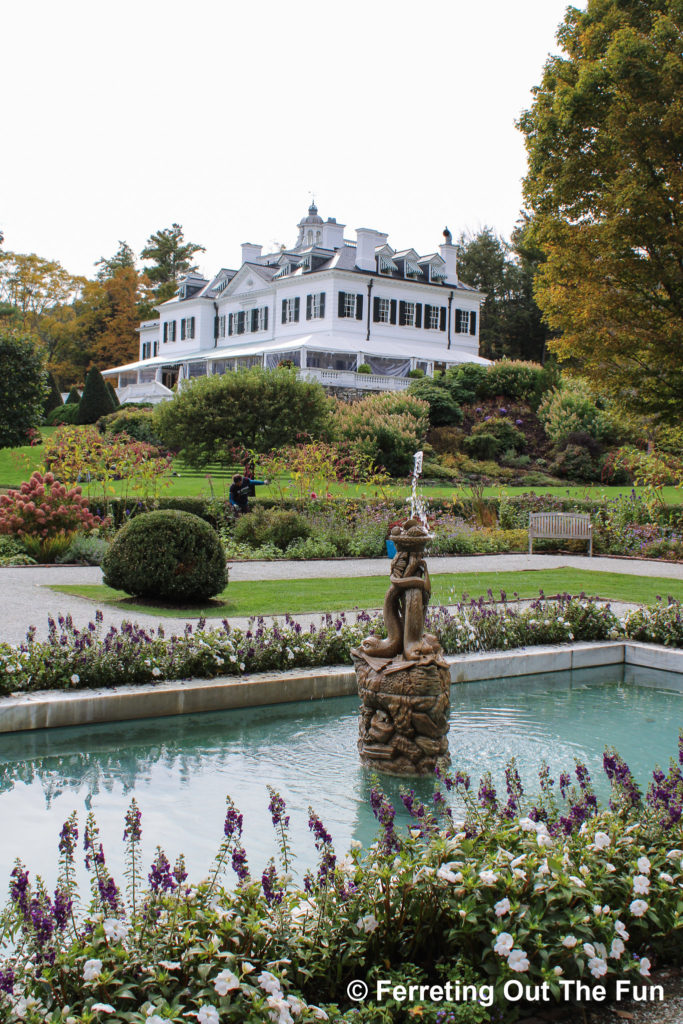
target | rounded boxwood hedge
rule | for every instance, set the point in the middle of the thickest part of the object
(171, 555)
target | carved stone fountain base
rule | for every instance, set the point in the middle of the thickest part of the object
(404, 715)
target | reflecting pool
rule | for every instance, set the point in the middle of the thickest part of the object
(181, 768)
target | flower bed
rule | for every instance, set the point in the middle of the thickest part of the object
(72, 658)
(502, 893)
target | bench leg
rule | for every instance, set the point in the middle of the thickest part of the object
(530, 545)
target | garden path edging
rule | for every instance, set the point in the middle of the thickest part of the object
(48, 709)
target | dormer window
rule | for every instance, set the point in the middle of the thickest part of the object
(385, 264)
(412, 268)
(283, 271)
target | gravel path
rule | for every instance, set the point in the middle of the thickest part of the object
(26, 600)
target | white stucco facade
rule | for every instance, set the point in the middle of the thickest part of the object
(327, 305)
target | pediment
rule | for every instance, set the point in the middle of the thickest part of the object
(250, 278)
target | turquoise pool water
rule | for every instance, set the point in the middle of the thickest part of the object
(181, 768)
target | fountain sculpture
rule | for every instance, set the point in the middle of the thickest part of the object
(403, 680)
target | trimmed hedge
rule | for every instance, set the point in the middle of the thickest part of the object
(171, 555)
(95, 400)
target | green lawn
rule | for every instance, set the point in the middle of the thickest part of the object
(276, 597)
(17, 464)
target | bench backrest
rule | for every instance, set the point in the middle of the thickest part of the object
(572, 525)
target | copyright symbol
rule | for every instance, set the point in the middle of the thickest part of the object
(357, 991)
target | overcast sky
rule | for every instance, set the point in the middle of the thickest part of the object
(225, 117)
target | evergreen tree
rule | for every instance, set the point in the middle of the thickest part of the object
(74, 396)
(22, 389)
(171, 256)
(54, 398)
(95, 400)
(112, 391)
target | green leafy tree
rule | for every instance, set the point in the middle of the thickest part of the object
(171, 257)
(22, 389)
(123, 258)
(95, 400)
(53, 399)
(604, 138)
(510, 318)
(251, 408)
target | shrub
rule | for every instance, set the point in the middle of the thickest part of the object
(84, 551)
(74, 396)
(66, 413)
(446, 439)
(504, 430)
(44, 515)
(53, 399)
(569, 409)
(95, 400)
(170, 555)
(483, 445)
(137, 423)
(278, 527)
(574, 463)
(388, 428)
(516, 380)
(416, 373)
(364, 368)
(22, 390)
(256, 409)
(471, 379)
(444, 410)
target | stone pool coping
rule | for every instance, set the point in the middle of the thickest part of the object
(46, 709)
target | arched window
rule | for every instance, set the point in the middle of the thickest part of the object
(309, 238)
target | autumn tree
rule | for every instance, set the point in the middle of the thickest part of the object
(38, 293)
(604, 186)
(171, 257)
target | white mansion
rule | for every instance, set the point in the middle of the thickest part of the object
(327, 306)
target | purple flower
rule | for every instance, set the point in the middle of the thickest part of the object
(62, 909)
(18, 890)
(239, 863)
(160, 877)
(269, 885)
(277, 808)
(233, 822)
(7, 981)
(133, 829)
(68, 838)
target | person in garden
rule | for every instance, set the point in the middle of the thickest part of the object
(241, 489)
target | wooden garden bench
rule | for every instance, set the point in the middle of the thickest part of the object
(561, 526)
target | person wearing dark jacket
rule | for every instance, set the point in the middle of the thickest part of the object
(241, 489)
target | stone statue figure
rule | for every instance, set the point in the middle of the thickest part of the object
(403, 680)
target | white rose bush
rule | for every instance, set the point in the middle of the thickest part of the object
(465, 893)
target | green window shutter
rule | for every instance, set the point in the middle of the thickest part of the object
(473, 323)
(392, 311)
(284, 310)
(442, 319)
(265, 318)
(297, 303)
(458, 320)
(342, 300)
(359, 307)
(230, 318)
(418, 314)
(375, 309)
(401, 313)
(309, 301)
(322, 304)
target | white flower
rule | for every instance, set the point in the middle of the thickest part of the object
(356, 844)
(666, 877)
(577, 881)
(569, 941)
(502, 907)
(597, 966)
(92, 969)
(102, 1008)
(208, 1015)
(367, 924)
(589, 948)
(504, 944)
(527, 825)
(247, 968)
(601, 841)
(644, 968)
(170, 965)
(543, 839)
(616, 949)
(488, 877)
(641, 885)
(643, 865)
(517, 961)
(584, 870)
(673, 855)
(318, 1013)
(609, 868)
(242, 666)
(115, 930)
(269, 983)
(75, 679)
(558, 971)
(295, 1005)
(517, 861)
(543, 868)
(226, 982)
(279, 1010)
(154, 1018)
(518, 873)
(620, 929)
(156, 671)
(638, 908)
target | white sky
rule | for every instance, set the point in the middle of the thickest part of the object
(225, 116)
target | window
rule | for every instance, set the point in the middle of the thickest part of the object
(187, 328)
(239, 319)
(350, 306)
(165, 333)
(383, 310)
(465, 322)
(331, 360)
(406, 317)
(259, 319)
(290, 310)
(221, 326)
(432, 318)
(171, 325)
(156, 348)
(190, 327)
(146, 349)
(315, 306)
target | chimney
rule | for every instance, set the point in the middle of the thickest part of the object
(449, 254)
(333, 234)
(251, 253)
(368, 240)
